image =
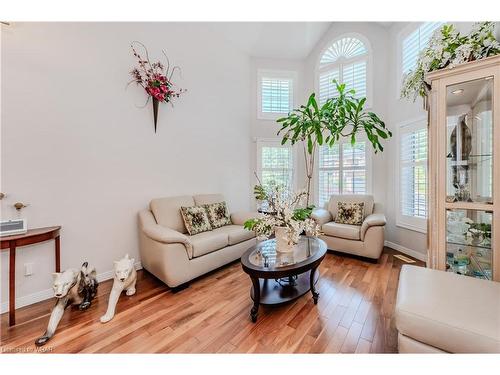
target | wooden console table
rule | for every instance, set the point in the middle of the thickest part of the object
(32, 236)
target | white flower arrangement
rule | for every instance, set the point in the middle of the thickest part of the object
(284, 210)
(447, 48)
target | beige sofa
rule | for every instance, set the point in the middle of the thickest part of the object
(366, 240)
(175, 257)
(442, 312)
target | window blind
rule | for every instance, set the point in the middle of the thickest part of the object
(341, 172)
(354, 77)
(276, 95)
(413, 173)
(327, 88)
(416, 42)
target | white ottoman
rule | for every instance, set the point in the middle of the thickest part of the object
(439, 311)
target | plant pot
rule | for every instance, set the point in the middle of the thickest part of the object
(282, 245)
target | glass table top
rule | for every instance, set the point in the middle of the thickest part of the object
(266, 256)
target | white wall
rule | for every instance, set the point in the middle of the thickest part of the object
(79, 151)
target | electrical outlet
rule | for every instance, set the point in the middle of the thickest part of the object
(28, 269)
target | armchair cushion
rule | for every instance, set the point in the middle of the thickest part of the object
(372, 221)
(357, 198)
(321, 216)
(350, 213)
(349, 232)
(162, 234)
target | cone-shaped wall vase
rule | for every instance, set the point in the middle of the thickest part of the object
(155, 111)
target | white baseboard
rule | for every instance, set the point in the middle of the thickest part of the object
(413, 253)
(49, 293)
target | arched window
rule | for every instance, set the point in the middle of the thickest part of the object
(347, 61)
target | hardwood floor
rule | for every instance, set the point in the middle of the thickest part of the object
(353, 315)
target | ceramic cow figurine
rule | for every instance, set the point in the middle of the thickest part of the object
(124, 279)
(71, 287)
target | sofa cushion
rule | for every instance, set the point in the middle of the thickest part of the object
(167, 211)
(202, 199)
(350, 213)
(451, 312)
(207, 242)
(349, 232)
(335, 199)
(218, 214)
(235, 233)
(195, 219)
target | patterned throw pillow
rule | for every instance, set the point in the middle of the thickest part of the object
(196, 219)
(350, 213)
(218, 214)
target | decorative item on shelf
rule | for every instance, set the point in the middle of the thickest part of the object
(479, 234)
(341, 116)
(286, 219)
(155, 78)
(448, 48)
(2, 195)
(71, 287)
(13, 226)
(125, 277)
(461, 147)
(19, 205)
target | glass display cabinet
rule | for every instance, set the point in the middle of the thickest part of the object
(464, 169)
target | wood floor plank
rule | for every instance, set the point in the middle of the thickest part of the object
(354, 314)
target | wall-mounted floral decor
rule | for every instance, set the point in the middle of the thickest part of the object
(155, 78)
(447, 49)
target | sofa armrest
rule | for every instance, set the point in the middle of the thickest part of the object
(166, 235)
(373, 220)
(321, 216)
(239, 218)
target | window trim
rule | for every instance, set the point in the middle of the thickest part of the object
(279, 74)
(402, 221)
(368, 167)
(368, 57)
(275, 142)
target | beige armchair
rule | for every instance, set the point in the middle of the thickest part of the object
(366, 240)
(175, 257)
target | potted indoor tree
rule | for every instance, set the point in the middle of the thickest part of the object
(342, 116)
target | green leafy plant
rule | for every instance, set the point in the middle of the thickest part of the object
(448, 48)
(343, 116)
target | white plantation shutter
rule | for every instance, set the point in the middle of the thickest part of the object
(346, 47)
(327, 88)
(354, 76)
(342, 172)
(416, 42)
(275, 164)
(329, 172)
(413, 175)
(346, 61)
(276, 95)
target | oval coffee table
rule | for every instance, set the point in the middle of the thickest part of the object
(278, 278)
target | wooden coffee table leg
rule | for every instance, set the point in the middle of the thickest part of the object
(12, 284)
(313, 289)
(256, 299)
(58, 253)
